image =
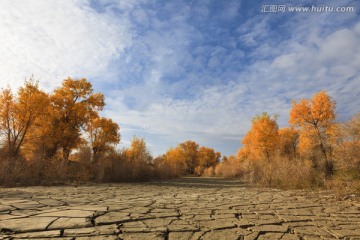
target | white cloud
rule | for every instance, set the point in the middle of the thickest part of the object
(321, 61)
(56, 39)
(223, 109)
(337, 47)
(231, 9)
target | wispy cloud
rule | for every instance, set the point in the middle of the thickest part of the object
(56, 39)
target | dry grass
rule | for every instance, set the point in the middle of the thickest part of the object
(232, 168)
(114, 167)
(282, 173)
(16, 172)
(279, 172)
(209, 172)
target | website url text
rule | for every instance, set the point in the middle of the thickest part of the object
(313, 8)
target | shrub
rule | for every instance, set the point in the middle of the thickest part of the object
(231, 168)
(209, 172)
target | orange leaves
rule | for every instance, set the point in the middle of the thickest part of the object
(75, 99)
(175, 156)
(319, 111)
(138, 152)
(300, 113)
(315, 118)
(20, 113)
(207, 157)
(289, 141)
(189, 158)
(183, 158)
(103, 134)
(7, 103)
(348, 144)
(74, 90)
(190, 150)
(174, 159)
(322, 108)
(262, 139)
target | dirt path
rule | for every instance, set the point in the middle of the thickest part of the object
(187, 208)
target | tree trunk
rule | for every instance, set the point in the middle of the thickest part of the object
(66, 154)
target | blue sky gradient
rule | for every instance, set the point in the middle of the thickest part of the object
(178, 70)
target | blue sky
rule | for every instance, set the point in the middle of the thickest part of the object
(178, 70)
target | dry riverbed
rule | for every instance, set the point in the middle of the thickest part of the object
(187, 208)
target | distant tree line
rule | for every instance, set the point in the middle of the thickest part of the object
(49, 138)
(60, 136)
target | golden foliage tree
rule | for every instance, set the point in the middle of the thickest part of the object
(347, 149)
(189, 158)
(261, 141)
(19, 114)
(104, 134)
(190, 153)
(207, 157)
(174, 159)
(139, 158)
(316, 120)
(72, 106)
(138, 152)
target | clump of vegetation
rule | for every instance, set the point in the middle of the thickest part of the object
(314, 151)
(188, 158)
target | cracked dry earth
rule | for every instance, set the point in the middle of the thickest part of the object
(182, 209)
